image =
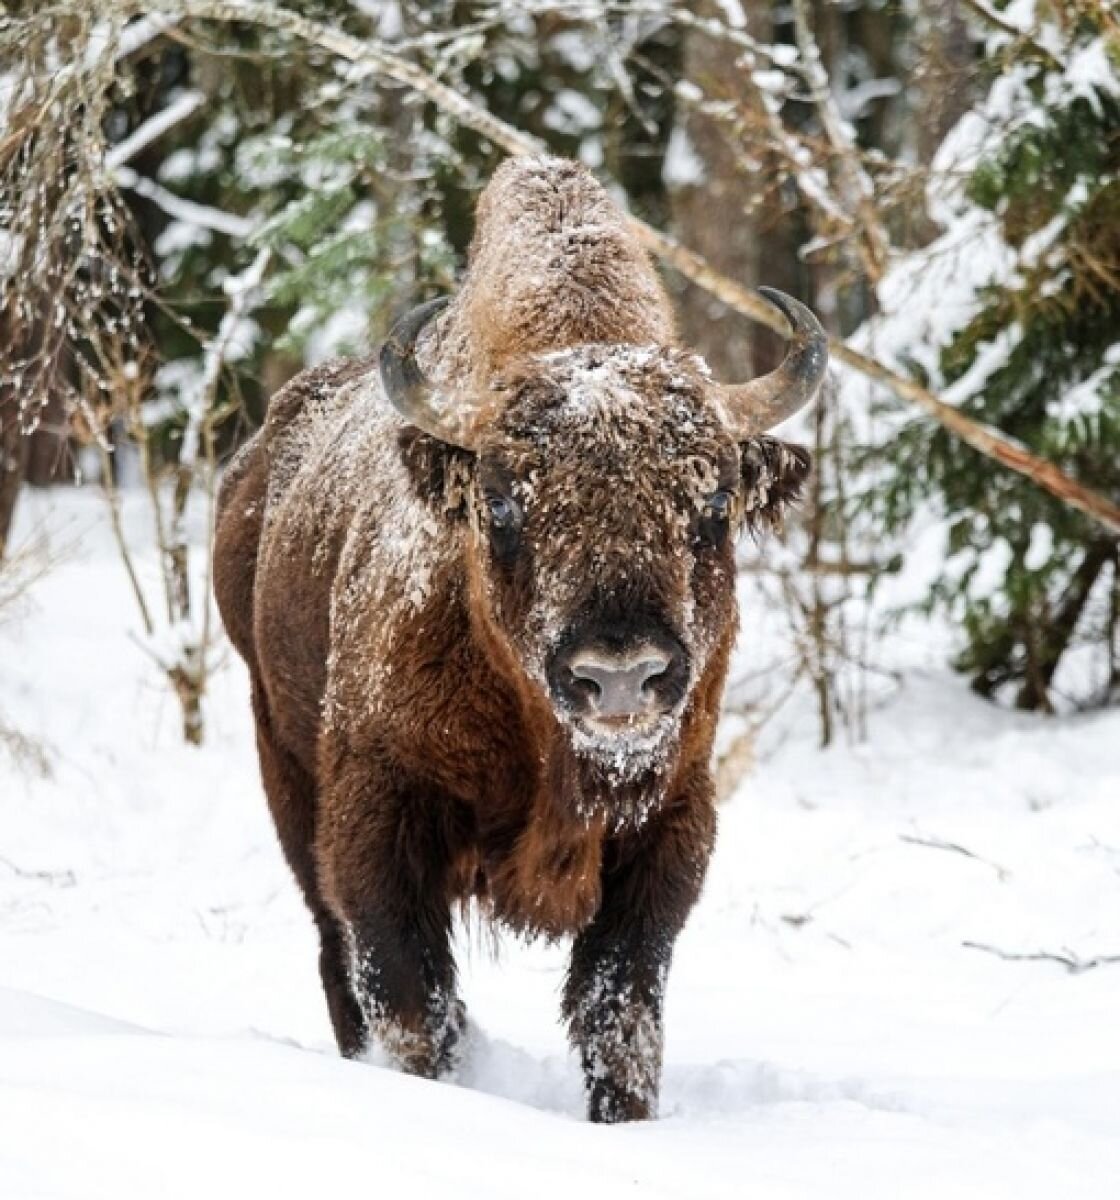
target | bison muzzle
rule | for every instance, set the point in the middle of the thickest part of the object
(485, 588)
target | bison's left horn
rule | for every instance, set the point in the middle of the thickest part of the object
(406, 387)
(763, 403)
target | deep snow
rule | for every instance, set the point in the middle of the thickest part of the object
(828, 1032)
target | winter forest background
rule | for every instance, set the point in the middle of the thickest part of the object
(200, 197)
(201, 200)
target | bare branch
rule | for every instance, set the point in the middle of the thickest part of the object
(113, 499)
(57, 878)
(1073, 963)
(936, 843)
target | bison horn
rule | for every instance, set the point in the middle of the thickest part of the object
(406, 387)
(763, 403)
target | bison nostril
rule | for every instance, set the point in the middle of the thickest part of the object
(654, 668)
(584, 687)
(618, 685)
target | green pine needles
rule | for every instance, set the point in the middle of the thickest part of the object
(1032, 583)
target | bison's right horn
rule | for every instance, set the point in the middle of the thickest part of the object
(406, 387)
(762, 403)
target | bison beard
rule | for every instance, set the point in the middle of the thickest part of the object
(485, 591)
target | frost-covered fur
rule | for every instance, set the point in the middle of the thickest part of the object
(552, 265)
(416, 748)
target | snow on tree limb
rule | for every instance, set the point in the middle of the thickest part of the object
(999, 21)
(241, 290)
(204, 216)
(154, 127)
(858, 190)
(375, 56)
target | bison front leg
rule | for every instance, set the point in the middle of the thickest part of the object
(404, 976)
(620, 962)
(383, 859)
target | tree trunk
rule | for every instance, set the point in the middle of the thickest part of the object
(716, 209)
(13, 457)
(1053, 639)
(189, 684)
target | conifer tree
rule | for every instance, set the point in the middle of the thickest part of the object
(1014, 314)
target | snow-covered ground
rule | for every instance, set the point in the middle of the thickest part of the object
(830, 1033)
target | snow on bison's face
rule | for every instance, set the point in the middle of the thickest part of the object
(604, 489)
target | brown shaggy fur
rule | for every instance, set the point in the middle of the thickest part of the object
(414, 747)
(573, 246)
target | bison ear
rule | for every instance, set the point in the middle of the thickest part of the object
(774, 474)
(439, 472)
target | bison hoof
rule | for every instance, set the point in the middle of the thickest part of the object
(430, 1052)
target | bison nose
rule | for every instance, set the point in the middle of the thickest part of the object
(619, 685)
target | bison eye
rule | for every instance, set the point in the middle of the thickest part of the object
(718, 506)
(714, 521)
(506, 519)
(505, 513)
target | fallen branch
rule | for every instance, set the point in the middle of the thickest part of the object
(936, 843)
(1073, 963)
(374, 55)
(56, 878)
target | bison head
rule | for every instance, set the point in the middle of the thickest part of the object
(606, 484)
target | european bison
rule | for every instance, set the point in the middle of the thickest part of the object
(485, 589)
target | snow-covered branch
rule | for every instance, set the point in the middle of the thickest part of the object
(857, 188)
(661, 12)
(153, 128)
(204, 216)
(1001, 22)
(137, 35)
(241, 290)
(108, 38)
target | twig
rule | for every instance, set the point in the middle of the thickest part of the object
(113, 499)
(1073, 963)
(61, 878)
(936, 843)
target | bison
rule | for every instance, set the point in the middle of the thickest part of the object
(485, 588)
